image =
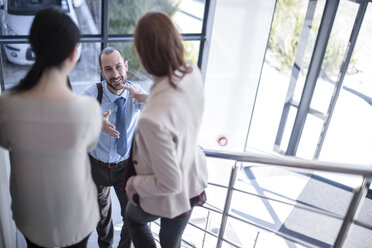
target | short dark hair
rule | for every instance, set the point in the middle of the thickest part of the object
(159, 46)
(53, 36)
(107, 51)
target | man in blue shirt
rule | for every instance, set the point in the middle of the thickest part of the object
(109, 158)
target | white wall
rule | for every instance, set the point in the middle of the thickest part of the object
(236, 53)
(236, 49)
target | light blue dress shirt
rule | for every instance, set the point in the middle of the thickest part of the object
(106, 149)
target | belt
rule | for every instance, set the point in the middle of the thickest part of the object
(109, 165)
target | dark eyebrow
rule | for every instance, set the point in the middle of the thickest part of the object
(109, 67)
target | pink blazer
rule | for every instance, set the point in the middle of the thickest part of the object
(171, 167)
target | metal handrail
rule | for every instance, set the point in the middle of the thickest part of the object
(292, 162)
(296, 164)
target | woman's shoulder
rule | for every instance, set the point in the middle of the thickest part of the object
(5, 96)
(87, 99)
(4, 103)
(194, 69)
(191, 67)
(85, 102)
(10, 101)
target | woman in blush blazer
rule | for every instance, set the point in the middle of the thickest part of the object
(170, 166)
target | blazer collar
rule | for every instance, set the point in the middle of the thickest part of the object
(161, 86)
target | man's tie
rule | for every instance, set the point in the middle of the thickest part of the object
(120, 126)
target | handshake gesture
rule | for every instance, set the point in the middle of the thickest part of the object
(110, 128)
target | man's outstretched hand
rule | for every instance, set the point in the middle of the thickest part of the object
(108, 127)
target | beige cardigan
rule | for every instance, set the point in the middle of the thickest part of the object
(171, 167)
(54, 198)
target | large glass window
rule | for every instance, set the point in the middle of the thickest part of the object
(17, 15)
(122, 17)
(21, 7)
(350, 127)
(17, 56)
(86, 71)
(294, 32)
(283, 74)
(187, 15)
(12, 73)
(89, 13)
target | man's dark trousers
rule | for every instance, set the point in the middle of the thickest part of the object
(104, 177)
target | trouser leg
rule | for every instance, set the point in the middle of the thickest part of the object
(171, 231)
(140, 232)
(125, 240)
(105, 227)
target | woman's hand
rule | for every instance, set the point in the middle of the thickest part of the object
(130, 190)
(138, 96)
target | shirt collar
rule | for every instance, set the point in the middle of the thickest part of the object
(112, 96)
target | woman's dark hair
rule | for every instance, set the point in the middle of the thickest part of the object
(159, 46)
(53, 36)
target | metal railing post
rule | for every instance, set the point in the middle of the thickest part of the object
(354, 207)
(226, 208)
(255, 240)
(206, 228)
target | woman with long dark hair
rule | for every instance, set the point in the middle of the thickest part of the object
(49, 131)
(170, 166)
